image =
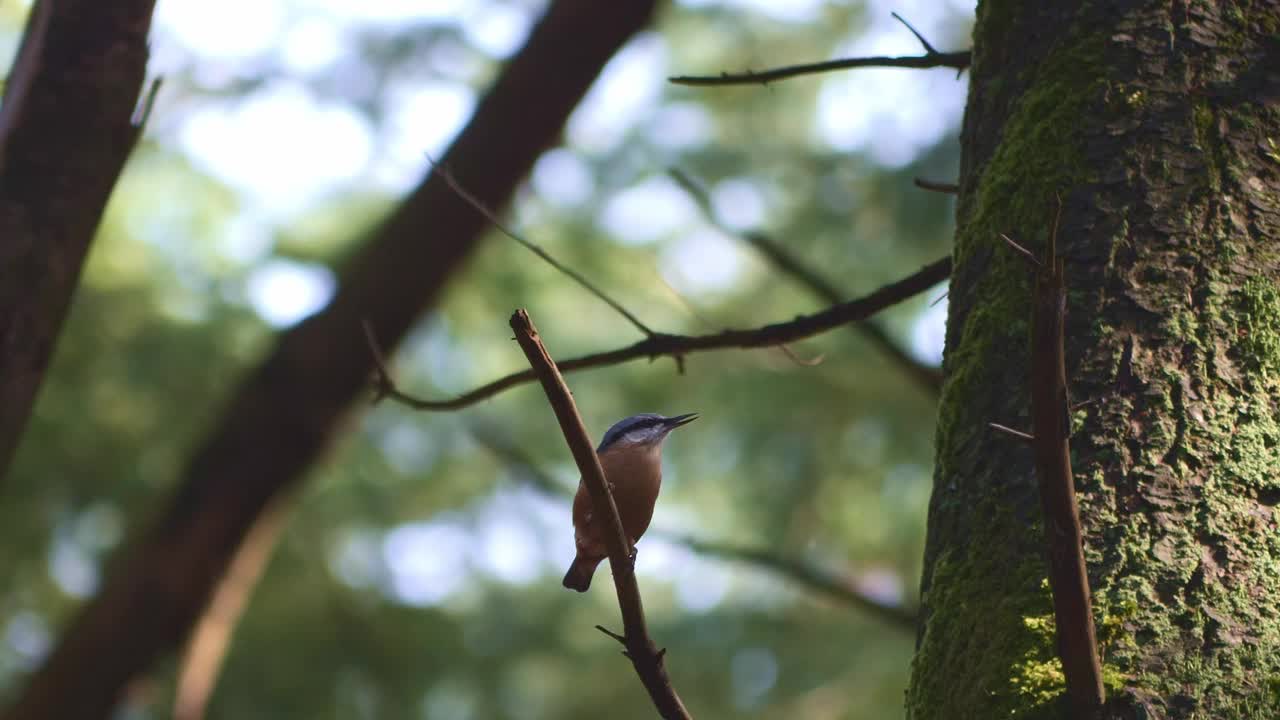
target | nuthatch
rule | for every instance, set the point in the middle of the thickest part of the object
(631, 456)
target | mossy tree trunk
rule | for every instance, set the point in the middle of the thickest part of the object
(1159, 125)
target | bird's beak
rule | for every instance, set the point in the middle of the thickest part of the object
(678, 420)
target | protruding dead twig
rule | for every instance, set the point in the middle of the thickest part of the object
(941, 187)
(678, 346)
(1051, 428)
(1025, 437)
(643, 653)
(931, 59)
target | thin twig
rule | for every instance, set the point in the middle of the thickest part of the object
(945, 188)
(928, 377)
(1025, 437)
(1051, 425)
(931, 59)
(143, 112)
(678, 346)
(929, 49)
(644, 654)
(1025, 253)
(574, 275)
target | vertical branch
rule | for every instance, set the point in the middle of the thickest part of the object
(1050, 442)
(640, 648)
(1051, 423)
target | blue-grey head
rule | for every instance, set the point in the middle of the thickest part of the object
(643, 429)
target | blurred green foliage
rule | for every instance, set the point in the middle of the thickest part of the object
(419, 575)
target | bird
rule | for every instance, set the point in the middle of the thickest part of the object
(631, 457)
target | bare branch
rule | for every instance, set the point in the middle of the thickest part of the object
(1050, 419)
(679, 346)
(957, 60)
(644, 654)
(931, 59)
(927, 377)
(574, 275)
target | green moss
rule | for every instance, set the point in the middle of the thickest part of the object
(1006, 643)
(1259, 325)
(1039, 154)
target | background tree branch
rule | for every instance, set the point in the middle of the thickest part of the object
(678, 346)
(66, 129)
(289, 409)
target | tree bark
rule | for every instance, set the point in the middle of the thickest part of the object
(289, 410)
(66, 129)
(1159, 126)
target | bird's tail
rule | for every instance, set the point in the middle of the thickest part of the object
(580, 572)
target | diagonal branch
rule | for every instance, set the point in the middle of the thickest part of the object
(640, 648)
(536, 249)
(930, 59)
(927, 377)
(678, 346)
(67, 126)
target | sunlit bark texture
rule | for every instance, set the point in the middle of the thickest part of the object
(290, 408)
(1159, 125)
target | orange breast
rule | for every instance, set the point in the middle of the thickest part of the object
(635, 478)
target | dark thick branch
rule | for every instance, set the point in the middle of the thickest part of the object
(644, 654)
(290, 409)
(66, 130)
(927, 377)
(678, 346)
(1050, 443)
